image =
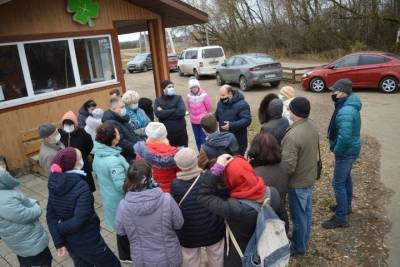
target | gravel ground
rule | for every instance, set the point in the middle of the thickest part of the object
(362, 243)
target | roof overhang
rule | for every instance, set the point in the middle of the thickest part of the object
(174, 13)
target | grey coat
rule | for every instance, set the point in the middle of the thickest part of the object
(46, 156)
(149, 218)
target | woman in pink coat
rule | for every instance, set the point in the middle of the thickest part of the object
(199, 105)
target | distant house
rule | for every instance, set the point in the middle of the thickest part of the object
(55, 54)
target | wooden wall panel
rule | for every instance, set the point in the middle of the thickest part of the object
(17, 120)
(30, 17)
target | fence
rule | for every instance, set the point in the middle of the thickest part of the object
(289, 73)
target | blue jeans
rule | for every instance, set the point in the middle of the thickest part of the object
(343, 185)
(300, 207)
(199, 135)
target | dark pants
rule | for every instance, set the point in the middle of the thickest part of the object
(343, 185)
(199, 135)
(43, 259)
(178, 139)
(124, 250)
(98, 255)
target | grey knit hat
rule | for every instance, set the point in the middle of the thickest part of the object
(46, 129)
(186, 159)
(156, 131)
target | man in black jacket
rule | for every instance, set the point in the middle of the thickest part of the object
(170, 110)
(116, 116)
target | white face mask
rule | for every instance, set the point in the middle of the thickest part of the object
(56, 138)
(281, 97)
(69, 128)
(80, 166)
(290, 117)
(134, 106)
(123, 112)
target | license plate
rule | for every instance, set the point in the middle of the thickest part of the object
(269, 76)
(214, 63)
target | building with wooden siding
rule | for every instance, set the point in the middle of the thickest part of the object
(50, 63)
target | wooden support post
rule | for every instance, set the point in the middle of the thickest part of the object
(158, 49)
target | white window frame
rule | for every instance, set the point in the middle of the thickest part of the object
(78, 86)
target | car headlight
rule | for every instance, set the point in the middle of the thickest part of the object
(307, 74)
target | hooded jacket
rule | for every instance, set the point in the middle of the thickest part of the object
(110, 168)
(161, 158)
(20, 227)
(71, 217)
(219, 143)
(149, 218)
(348, 126)
(277, 125)
(237, 112)
(199, 105)
(82, 116)
(128, 137)
(81, 140)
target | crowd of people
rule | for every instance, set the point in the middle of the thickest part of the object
(165, 201)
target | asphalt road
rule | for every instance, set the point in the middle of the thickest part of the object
(379, 119)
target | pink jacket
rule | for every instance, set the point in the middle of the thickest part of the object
(199, 105)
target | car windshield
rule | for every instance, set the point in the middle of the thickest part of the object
(262, 59)
(212, 53)
(140, 57)
(393, 55)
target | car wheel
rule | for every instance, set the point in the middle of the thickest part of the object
(317, 85)
(389, 85)
(180, 72)
(145, 68)
(196, 74)
(219, 79)
(243, 83)
(130, 71)
(275, 84)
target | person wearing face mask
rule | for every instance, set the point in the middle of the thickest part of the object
(71, 217)
(137, 116)
(110, 168)
(116, 115)
(74, 136)
(345, 143)
(199, 105)
(300, 155)
(233, 115)
(170, 110)
(50, 146)
(86, 111)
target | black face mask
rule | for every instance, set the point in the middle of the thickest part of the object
(334, 98)
(225, 100)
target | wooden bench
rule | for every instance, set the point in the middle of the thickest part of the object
(31, 143)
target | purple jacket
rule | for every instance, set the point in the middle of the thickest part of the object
(149, 218)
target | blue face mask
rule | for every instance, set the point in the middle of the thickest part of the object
(123, 112)
(134, 106)
(171, 91)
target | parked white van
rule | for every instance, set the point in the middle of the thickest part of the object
(200, 61)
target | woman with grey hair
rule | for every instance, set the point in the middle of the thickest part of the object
(137, 116)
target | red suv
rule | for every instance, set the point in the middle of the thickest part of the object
(365, 69)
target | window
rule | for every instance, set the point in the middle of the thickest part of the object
(263, 60)
(50, 66)
(347, 62)
(12, 84)
(212, 53)
(94, 59)
(36, 70)
(239, 62)
(371, 59)
(229, 61)
(393, 55)
(191, 54)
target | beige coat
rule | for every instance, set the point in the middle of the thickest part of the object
(46, 156)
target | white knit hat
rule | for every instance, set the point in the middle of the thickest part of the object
(193, 82)
(186, 159)
(156, 131)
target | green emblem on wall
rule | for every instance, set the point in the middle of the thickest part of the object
(85, 11)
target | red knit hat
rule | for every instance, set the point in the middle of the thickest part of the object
(65, 159)
(241, 180)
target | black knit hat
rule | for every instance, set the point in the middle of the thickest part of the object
(165, 83)
(300, 106)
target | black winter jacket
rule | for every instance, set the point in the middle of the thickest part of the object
(70, 215)
(237, 112)
(173, 116)
(82, 116)
(220, 143)
(81, 140)
(277, 125)
(201, 227)
(128, 137)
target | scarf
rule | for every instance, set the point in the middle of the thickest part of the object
(188, 175)
(332, 133)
